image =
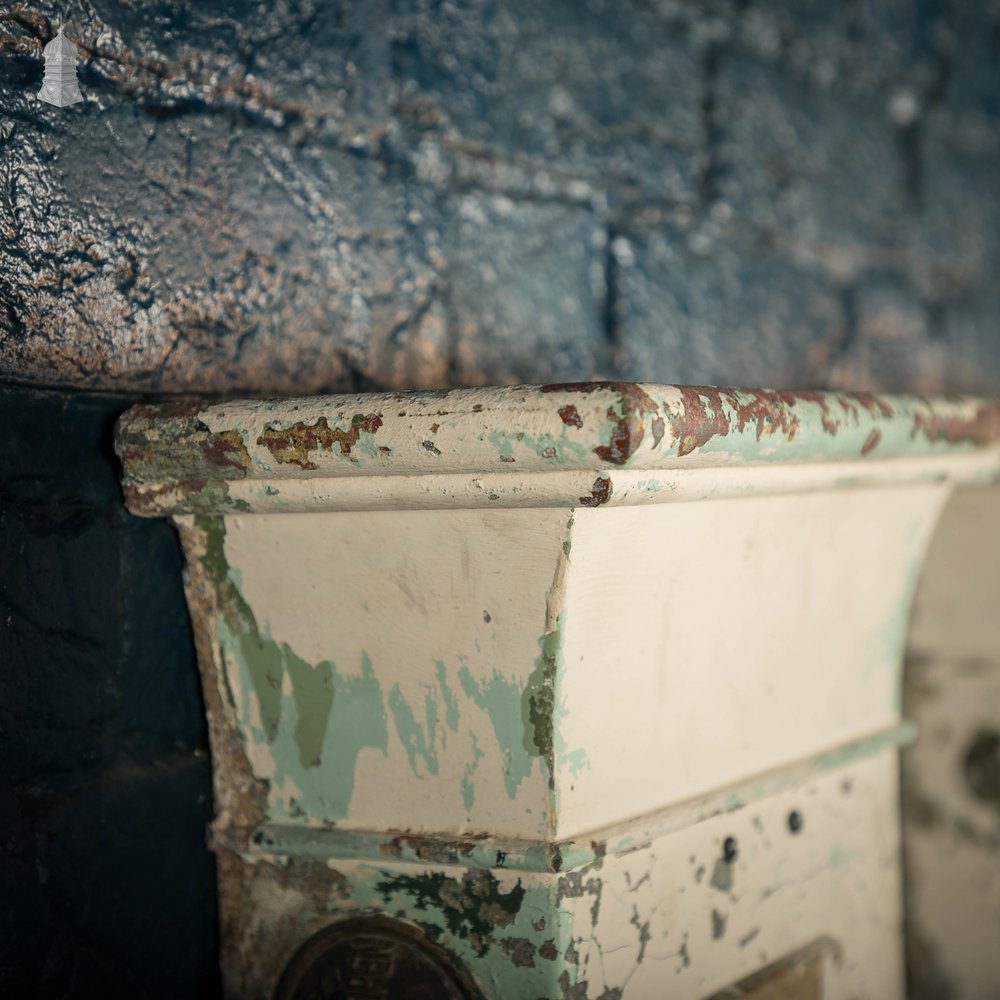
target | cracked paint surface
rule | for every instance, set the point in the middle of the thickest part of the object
(586, 439)
(637, 918)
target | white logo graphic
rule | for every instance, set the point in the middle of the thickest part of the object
(59, 86)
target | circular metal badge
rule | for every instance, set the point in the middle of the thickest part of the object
(372, 958)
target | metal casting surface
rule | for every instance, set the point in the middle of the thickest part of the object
(468, 667)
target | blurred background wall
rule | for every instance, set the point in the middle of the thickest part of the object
(292, 197)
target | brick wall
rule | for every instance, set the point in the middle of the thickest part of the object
(300, 196)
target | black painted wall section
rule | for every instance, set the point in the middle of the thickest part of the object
(106, 886)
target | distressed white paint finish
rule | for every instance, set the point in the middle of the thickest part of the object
(670, 620)
(663, 913)
(837, 878)
(441, 604)
(952, 834)
(482, 618)
(722, 639)
(531, 446)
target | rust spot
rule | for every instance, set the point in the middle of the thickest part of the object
(600, 493)
(435, 428)
(696, 425)
(293, 444)
(871, 441)
(875, 405)
(570, 416)
(226, 449)
(628, 427)
(981, 429)
(369, 423)
(790, 399)
(770, 412)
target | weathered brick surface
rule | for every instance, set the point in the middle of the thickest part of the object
(526, 290)
(958, 242)
(813, 166)
(277, 198)
(606, 91)
(712, 305)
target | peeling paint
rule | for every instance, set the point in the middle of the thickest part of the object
(190, 458)
(467, 787)
(982, 428)
(520, 951)
(555, 449)
(538, 705)
(626, 417)
(295, 443)
(588, 892)
(570, 415)
(448, 695)
(333, 711)
(500, 697)
(600, 493)
(419, 739)
(871, 442)
(472, 908)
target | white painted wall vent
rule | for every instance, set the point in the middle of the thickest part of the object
(580, 690)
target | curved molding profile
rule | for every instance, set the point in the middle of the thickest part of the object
(585, 444)
(466, 663)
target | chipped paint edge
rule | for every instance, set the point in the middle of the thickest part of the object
(584, 444)
(277, 841)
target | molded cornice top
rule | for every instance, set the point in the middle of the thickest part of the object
(579, 444)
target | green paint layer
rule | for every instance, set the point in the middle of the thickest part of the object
(314, 720)
(500, 697)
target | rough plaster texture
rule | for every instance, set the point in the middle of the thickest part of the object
(301, 196)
